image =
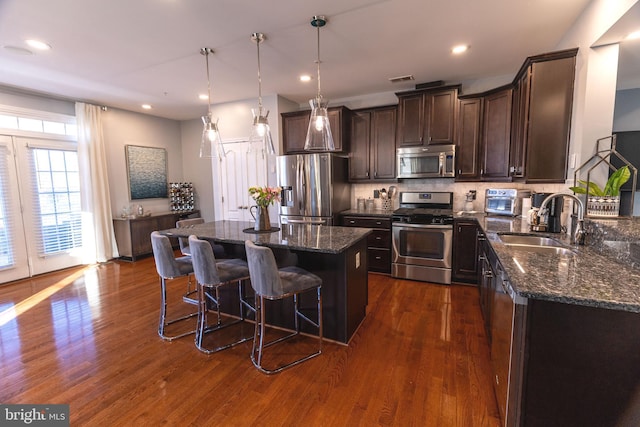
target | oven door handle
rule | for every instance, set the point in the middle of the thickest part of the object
(423, 226)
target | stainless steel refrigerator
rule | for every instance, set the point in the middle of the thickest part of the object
(314, 188)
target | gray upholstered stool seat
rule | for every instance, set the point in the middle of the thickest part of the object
(211, 274)
(272, 283)
(169, 267)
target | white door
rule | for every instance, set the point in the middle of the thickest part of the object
(240, 170)
(48, 197)
(13, 250)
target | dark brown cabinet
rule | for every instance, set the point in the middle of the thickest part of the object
(484, 136)
(543, 99)
(427, 116)
(378, 242)
(295, 125)
(133, 235)
(468, 146)
(465, 253)
(496, 135)
(373, 136)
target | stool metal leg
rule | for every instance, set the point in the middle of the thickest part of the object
(259, 343)
(163, 315)
(203, 326)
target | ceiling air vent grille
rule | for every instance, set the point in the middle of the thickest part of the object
(401, 78)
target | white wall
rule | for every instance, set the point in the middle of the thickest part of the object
(596, 75)
(122, 128)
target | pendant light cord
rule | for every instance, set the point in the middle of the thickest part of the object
(258, 40)
(205, 51)
(318, 62)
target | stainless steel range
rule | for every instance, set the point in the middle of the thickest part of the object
(422, 236)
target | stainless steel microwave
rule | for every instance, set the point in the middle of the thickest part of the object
(433, 161)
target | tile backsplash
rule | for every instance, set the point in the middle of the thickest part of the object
(459, 189)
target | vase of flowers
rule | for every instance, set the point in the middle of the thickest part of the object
(264, 196)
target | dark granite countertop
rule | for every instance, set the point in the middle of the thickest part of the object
(604, 273)
(369, 212)
(306, 237)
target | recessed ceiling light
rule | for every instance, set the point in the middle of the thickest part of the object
(203, 96)
(146, 106)
(305, 78)
(37, 44)
(459, 49)
(633, 36)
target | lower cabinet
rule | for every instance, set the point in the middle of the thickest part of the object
(465, 252)
(555, 363)
(133, 235)
(378, 242)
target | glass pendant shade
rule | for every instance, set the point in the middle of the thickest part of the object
(261, 132)
(319, 137)
(211, 143)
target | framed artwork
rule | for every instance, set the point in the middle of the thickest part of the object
(147, 172)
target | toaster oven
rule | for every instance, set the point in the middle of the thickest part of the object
(504, 201)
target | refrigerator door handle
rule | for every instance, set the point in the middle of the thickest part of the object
(300, 183)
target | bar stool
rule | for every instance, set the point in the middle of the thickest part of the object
(212, 275)
(169, 267)
(184, 241)
(218, 250)
(272, 283)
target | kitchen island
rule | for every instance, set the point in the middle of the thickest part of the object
(564, 327)
(337, 254)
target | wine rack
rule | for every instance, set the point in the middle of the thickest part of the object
(181, 196)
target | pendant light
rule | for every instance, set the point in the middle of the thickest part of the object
(260, 131)
(211, 142)
(319, 136)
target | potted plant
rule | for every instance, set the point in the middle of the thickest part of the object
(604, 201)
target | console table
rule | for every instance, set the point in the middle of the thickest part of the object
(133, 234)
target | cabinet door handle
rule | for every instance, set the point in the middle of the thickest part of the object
(352, 221)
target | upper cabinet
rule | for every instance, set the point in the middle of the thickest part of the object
(295, 125)
(484, 127)
(543, 98)
(496, 135)
(427, 116)
(468, 146)
(519, 132)
(373, 144)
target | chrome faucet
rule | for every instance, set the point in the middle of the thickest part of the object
(580, 234)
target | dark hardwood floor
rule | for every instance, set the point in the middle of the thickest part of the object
(88, 337)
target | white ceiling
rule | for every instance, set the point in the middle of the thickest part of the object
(124, 53)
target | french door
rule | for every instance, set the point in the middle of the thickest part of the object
(239, 170)
(40, 212)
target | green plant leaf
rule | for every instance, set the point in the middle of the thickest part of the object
(617, 180)
(594, 189)
(578, 190)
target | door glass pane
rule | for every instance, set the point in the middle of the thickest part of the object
(57, 197)
(6, 225)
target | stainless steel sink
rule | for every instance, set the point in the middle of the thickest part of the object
(529, 243)
(528, 240)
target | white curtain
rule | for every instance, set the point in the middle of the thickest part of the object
(98, 236)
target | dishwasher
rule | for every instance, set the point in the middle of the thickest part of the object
(506, 337)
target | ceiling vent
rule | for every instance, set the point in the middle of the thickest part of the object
(401, 78)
